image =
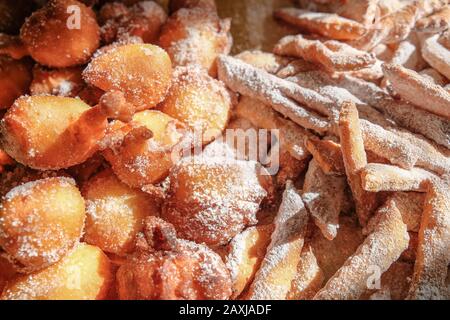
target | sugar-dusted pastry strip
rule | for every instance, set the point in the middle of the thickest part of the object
(391, 28)
(267, 61)
(382, 247)
(437, 22)
(309, 277)
(325, 24)
(400, 147)
(328, 155)
(324, 196)
(434, 76)
(332, 55)
(279, 267)
(437, 55)
(294, 67)
(245, 254)
(410, 205)
(419, 90)
(405, 114)
(408, 55)
(290, 168)
(283, 96)
(376, 177)
(433, 252)
(362, 11)
(355, 159)
(263, 116)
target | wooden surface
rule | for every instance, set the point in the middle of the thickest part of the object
(253, 26)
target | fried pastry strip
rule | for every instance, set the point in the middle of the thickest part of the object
(392, 28)
(325, 24)
(419, 90)
(433, 253)
(246, 252)
(437, 22)
(376, 177)
(434, 76)
(410, 205)
(309, 277)
(328, 155)
(332, 55)
(324, 196)
(355, 159)
(379, 250)
(285, 97)
(362, 11)
(406, 115)
(279, 267)
(437, 55)
(260, 115)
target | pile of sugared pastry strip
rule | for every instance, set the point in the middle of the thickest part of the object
(362, 102)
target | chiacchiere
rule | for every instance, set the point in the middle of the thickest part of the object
(140, 160)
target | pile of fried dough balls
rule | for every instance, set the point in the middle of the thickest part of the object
(96, 203)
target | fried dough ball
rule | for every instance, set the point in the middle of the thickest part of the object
(210, 200)
(199, 101)
(141, 71)
(143, 19)
(59, 82)
(196, 36)
(53, 41)
(13, 14)
(49, 132)
(115, 213)
(84, 274)
(178, 4)
(41, 221)
(142, 153)
(168, 268)
(15, 78)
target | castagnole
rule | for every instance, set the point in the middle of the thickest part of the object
(165, 267)
(40, 222)
(141, 71)
(50, 132)
(210, 200)
(196, 37)
(199, 101)
(142, 151)
(63, 33)
(115, 212)
(84, 274)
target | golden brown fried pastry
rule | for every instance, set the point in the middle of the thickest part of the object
(141, 71)
(61, 34)
(211, 200)
(199, 101)
(196, 36)
(41, 221)
(83, 274)
(143, 151)
(165, 267)
(144, 19)
(115, 213)
(50, 132)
